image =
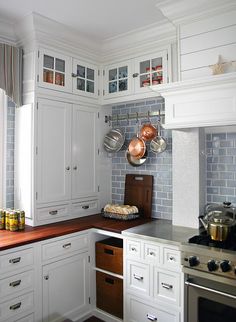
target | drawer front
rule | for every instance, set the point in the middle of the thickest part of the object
(28, 318)
(171, 258)
(133, 249)
(138, 277)
(109, 294)
(16, 283)
(16, 306)
(65, 246)
(139, 311)
(52, 213)
(167, 287)
(152, 253)
(85, 208)
(16, 260)
(109, 257)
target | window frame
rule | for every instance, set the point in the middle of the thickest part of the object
(3, 136)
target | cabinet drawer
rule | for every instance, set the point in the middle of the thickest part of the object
(167, 287)
(16, 306)
(85, 208)
(52, 213)
(138, 277)
(152, 253)
(15, 260)
(171, 258)
(65, 246)
(139, 311)
(109, 255)
(110, 294)
(133, 249)
(16, 283)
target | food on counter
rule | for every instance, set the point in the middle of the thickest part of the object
(121, 209)
(12, 220)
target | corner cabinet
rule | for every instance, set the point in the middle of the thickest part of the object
(67, 74)
(58, 179)
(137, 75)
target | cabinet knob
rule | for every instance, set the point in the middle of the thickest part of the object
(75, 167)
(67, 168)
(46, 277)
(135, 75)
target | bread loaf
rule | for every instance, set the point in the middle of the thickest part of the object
(121, 209)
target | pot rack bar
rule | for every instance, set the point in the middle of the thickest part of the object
(134, 116)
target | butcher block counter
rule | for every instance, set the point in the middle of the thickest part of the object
(10, 239)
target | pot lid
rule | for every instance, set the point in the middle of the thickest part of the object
(220, 217)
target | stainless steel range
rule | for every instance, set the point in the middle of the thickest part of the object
(210, 279)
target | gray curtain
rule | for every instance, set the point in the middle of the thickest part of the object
(11, 60)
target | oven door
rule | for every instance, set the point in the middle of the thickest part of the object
(209, 301)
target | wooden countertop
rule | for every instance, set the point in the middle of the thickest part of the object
(10, 239)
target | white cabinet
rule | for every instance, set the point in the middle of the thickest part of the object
(18, 285)
(65, 274)
(135, 76)
(153, 290)
(61, 72)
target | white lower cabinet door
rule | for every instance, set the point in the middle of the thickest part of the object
(66, 289)
(139, 311)
(138, 278)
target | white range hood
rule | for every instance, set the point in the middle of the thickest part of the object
(202, 102)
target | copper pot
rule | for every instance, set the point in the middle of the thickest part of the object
(137, 148)
(148, 132)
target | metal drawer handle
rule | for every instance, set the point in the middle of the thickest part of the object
(53, 212)
(85, 207)
(152, 253)
(167, 286)
(15, 306)
(134, 249)
(151, 317)
(15, 283)
(172, 258)
(138, 277)
(15, 260)
(67, 245)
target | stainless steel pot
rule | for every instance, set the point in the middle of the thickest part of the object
(114, 140)
(158, 144)
(135, 162)
(218, 225)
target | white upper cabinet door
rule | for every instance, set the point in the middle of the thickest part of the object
(53, 151)
(55, 71)
(117, 80)
(84, 152)
(150, 70)
(85, 79)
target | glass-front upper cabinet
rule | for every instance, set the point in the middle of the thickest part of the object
(117, 79)
(85, 78)
(54, 71)
(150, 70)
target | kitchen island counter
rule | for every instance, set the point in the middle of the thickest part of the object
(162, 231)
(10, 239)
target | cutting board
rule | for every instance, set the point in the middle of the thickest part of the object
(138, 192)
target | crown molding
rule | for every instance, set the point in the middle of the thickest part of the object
(184, 11)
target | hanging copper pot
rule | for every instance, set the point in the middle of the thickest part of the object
(137, 147)
(148, 132)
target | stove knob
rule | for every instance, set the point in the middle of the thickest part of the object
(212, 266)
(225, 266)
(193, 261)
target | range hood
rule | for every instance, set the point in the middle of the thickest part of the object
(201, 102)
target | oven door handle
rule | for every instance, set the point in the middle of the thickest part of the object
(210, 290)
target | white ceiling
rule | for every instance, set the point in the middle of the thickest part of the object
(98, 19)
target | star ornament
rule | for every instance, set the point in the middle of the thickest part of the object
(218, 68)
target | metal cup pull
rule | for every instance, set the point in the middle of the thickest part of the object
(151, 317)
(15, 306)
(53, 212)
(134, 249)
(15, 283)
(85, 207)
(15, 260)
(68, 245)
(138, 277)
(167, 286)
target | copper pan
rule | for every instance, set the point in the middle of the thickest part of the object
(137, 147)
(148, 132)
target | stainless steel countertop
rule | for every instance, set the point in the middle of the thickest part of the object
(161, 231)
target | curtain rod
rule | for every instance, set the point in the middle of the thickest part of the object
(132, 116)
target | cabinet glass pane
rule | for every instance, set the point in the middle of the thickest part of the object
(112, 87)
(123, 85)
(81, 84)
(81, 71)
(123, 72)
(144, 80)
(90, 87)
(157, 78)
(48, 76)
(90, 74)
(48, 61)
(144, 67)
(112, 74)
(60, 65)
(59, 79)
(156, 63)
